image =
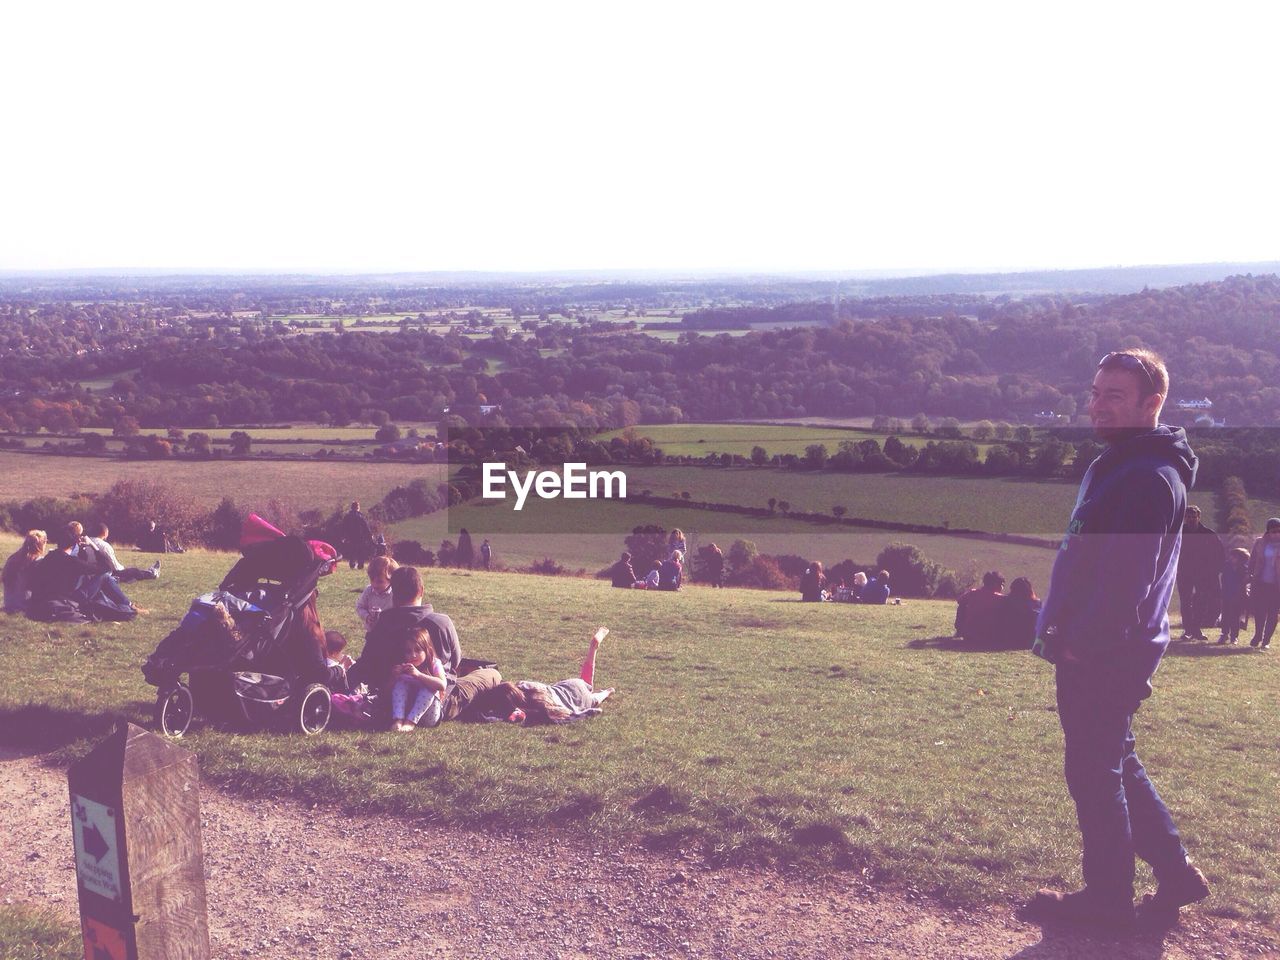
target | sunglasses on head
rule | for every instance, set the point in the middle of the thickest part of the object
(1128, 361)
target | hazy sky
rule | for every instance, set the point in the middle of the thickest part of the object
(552, 135)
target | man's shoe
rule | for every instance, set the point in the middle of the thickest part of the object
(1161, 909)
(1079, 908)
(155, 570)
(1223, 640)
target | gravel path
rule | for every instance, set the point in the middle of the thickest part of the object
(287, 882)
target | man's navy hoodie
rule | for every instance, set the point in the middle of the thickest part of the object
(1108, 598)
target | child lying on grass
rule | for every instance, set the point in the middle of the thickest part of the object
(530, 702)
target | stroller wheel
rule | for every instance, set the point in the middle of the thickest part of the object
(311, 711)
(174, 710)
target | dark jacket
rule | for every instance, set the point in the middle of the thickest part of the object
(669, 575)
(875, 592)
(381, 653)
(357, 535)
(1202, 557)
(812, 584)
(623, 574)
(1108, 597)
(59, 575)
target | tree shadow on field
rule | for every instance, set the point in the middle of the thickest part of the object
(1199, 648)
(1061, 943)
(38, 728)
(955, 644)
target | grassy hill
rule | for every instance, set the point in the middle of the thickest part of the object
(747, 727)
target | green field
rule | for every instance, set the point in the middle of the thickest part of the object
(589, 535)
(701, 439)
(302, 484)
(994, 504)
(747, 727)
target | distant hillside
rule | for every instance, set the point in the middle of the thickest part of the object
(1105, 280)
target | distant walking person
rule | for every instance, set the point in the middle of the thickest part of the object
(356, 536)
(1264, 584)
(1105, 626)
(1199, 569)
(1235, 594)
(486, 553)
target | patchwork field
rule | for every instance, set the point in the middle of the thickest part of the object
(867, 744)
(324, 485)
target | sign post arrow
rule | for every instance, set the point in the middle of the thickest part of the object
(94, 843)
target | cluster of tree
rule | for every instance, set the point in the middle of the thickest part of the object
(1233, 509)
(1008, 362)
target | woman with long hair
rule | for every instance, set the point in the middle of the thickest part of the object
(17, 590)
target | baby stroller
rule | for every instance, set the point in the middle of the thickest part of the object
(239, 645)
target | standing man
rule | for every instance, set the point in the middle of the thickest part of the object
(486, 553)
(1105, 627)
(357, 537)
(1199, 576)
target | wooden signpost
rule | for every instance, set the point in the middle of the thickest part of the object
(135, 820)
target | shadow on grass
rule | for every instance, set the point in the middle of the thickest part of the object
(1061, 943)
(1198, 648)
(39, 728)
(960, 645)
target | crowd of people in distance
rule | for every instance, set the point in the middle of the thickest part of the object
(859, 588)
(665, 574)
(1224, 587)
(77, 580)
(986, 616)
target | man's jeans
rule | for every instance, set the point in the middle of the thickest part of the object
(1119, 811)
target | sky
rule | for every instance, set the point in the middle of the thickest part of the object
(335, 137)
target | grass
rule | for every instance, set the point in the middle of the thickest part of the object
(748, 728)
(36, 935)
(323, 485)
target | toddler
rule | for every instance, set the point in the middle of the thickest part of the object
(377, 595)
(334, 644)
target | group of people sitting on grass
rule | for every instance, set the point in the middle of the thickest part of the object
(859, 588)
(987, 616)
(412, 660)
(665, 574)
(78, 580)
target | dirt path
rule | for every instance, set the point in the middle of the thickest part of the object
(286, 882)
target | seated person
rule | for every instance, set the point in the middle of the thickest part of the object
(671, 572)
(979, 610)
(651, 579)
(376, 598)
(813, 584)
(62, 575)
(877, 589)
(622, 574)
(105, 554)
(384, 645)
(18, 569)
(1016, 625)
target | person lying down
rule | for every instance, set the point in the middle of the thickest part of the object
(530, 702)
